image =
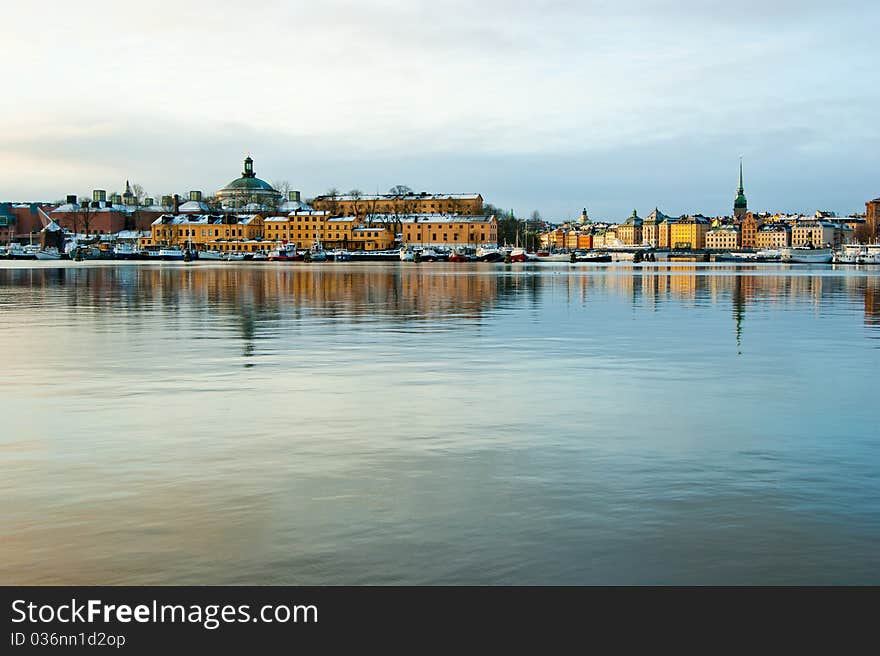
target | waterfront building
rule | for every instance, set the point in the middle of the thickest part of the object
(95, 216)
(22, 221)
(651, 228)
(585, 240)
(248, 189)
(630, 231)
(689, 232)
(872, 217)
(749, 230)
(814, 232)
(400, 204)
(307, 228)
(723, 237)
(773, 235)
(223, 232)
(740, 205)
(664, 231)
(445, 230)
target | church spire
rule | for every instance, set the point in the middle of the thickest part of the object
(739, 190)
(740, 205)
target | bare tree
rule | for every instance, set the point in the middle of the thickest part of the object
(356, 196)
(400, 190)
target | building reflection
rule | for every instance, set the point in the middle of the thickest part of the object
(248, 298)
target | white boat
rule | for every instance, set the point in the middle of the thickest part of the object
(849, 254)
(233, 256)
(490, 253)
(553, 257)
(18, 252)
(126, 252)
(407, 255)
(210, 255)
(171, 253)
(48, 254)
(807, 255)
(769, 254)
(260, 256)
(871, 254)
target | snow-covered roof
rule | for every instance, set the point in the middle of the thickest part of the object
(194, 206)
(430, 218)
(389, 197)
(293, 206)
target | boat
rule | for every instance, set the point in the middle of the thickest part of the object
(50, 253)
(807, 255)
(407, 255)
(16, 251)
(592, 257)
(490, 254)
(341, 256)
(171, 254)
(551, 257)
(233, 256)
(374, 256)
(735, 257)
(871, 254)
(285, 253)
(517, 254)
(212, 256)
(768, 254)
(858, 254)
(126, 252)
(259, 256)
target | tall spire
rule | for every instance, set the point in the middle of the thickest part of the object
(740, 205)
(740, 190)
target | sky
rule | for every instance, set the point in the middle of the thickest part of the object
(552, 105)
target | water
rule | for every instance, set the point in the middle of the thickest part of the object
(439, 424)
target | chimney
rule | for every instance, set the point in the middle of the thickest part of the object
(176, 201)
(196, 196)
(99, 195)
(71, 199)
(293, 196)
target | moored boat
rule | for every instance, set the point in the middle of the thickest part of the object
(806, 255)
(490, 254)
(126, 251)
(171, 254)
(592, 257)
(285, 253)
(51, 253)
(209, 255)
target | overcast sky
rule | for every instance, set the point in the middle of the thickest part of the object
(549, 105)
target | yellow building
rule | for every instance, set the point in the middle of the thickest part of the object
(651, 228)
(630, 231)
(446, 230)
(400, 204)
(724, 237)
(773, 235)
(688, 233)
(227, 232)
(306, 228)
(815, 233)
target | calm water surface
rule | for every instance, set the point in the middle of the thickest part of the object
(378, 424)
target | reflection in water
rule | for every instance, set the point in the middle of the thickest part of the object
(366, 423)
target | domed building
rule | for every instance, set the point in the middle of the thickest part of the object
(248, 190)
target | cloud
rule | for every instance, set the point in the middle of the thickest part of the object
(356, 93)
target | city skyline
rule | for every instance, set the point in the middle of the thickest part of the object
(558, 106)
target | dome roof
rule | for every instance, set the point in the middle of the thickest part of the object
(249, 184)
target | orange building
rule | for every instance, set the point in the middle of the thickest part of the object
(446, 230)
(399, 204)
